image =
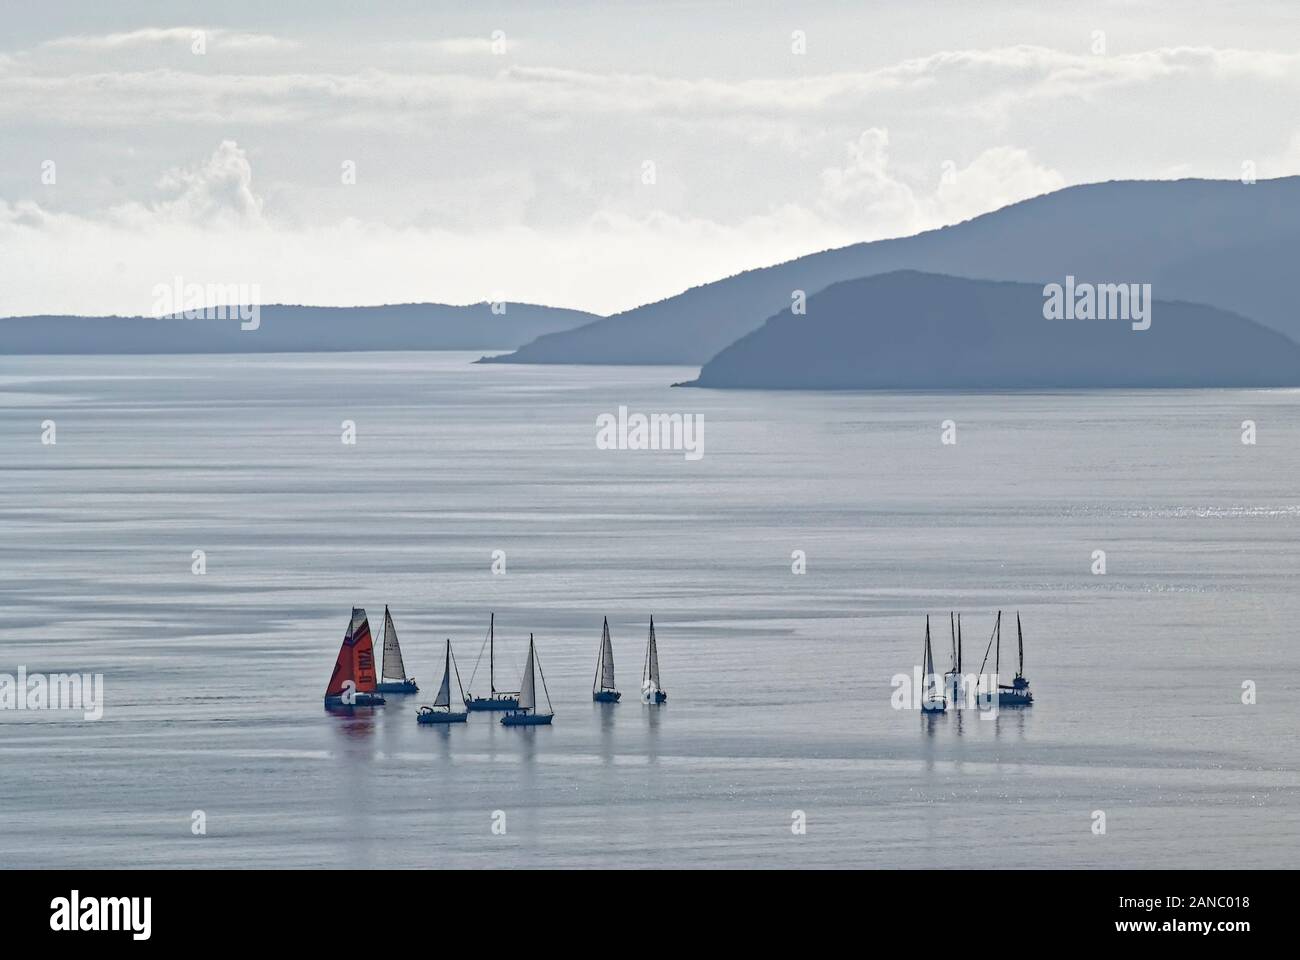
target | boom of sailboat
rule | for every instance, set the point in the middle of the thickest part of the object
(354, 682)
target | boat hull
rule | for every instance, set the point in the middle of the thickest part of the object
(438, 717)
(659, 696)
(358, 700)
(398, 686)
(1015, 698)
(606, 696)
(527, 719)
(492, 703)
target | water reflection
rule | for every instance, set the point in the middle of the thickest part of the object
(930, 720)
(1012, 720)
(652, 730)
(355, 723)
(605, 714)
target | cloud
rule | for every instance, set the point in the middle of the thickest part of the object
(216, 192)
(466, 46)
(479, 173)
(210, 226)
(996, 178)
(865, 192)
(986, 80)
(69, 263)
(221, 188)
(864, 189)
(169, 36)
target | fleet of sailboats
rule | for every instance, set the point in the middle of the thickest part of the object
(602, 687)
(527, 714)
(355, 683)
(392, 676)
(958, 688)
(441, 711)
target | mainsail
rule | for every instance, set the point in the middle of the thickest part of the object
(527, 689)
(927, 675)
(605, 665)
(444, 692)
(356, 660)
(1020, 642)
(650, 676)
(393, 666)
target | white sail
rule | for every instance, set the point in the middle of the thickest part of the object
(444, 692)
(394, 669)
(607, 665)
(929, 673)
(931, 698)
(605, 671)
(527, 687)
(650, 674)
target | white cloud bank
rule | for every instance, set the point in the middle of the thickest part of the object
(482, 174)
(210, 226)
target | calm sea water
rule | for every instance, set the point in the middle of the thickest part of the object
(779, 683)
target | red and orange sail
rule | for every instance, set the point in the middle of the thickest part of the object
(356, 660)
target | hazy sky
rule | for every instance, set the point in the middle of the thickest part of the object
(517, 168)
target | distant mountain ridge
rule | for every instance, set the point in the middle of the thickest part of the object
(1222, 243)
(911, 330)
(292, 328)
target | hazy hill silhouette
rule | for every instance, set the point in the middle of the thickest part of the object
(288, 328)
(912, 330)
(1223, 243)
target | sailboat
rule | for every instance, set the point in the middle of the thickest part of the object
(602, 687)
(352, 684)
(392, 677)
(952, 682)
(651, 691)
(1017, 693)
(441, 711)
(932, 700)
(526, 714)
(498, 700)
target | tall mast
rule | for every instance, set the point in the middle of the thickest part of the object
(492, 627)
(1020, 639)
(542, 674)
(953, 631)
(997, 630)
(959, 644)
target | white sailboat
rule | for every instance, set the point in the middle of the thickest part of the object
(441, 711)
(526, 713)
(651, 691)
(602, 687)
(932, 698)
(392, 677)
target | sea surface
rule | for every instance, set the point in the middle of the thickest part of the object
(779, 683)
